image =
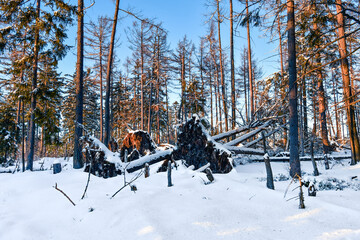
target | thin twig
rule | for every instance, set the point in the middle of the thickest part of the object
(127, 184)
(64, 194)
(88, 180)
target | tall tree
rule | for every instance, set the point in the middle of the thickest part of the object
(251, 81)
(233, 102)
(293, 114)
(345, 72)
(77, 159)
(108, 76)
(33, 92)
(223, 87)
(320, 86)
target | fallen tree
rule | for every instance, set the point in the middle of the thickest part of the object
(196, 147)
(248, 135)
(137, 144)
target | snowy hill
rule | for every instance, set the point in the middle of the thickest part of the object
(236, 206)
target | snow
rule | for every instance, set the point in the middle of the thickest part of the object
(235, 206)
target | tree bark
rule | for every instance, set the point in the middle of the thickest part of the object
(293, 114)
(223, 90)
(251, 86)
(77, 159)
(233, 103)
(348, 97)
(108, 77)
(101, 92)
(321, 95)
(33, 92)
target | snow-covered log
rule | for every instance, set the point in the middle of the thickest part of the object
(149, 159)
(244, 150)
(196, 147)
(99, 160)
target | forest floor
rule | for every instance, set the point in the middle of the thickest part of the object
(235, 206)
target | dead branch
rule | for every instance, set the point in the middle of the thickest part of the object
(128, 183)
(88, 180)
(64, 194)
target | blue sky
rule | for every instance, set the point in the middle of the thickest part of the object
(179, 18)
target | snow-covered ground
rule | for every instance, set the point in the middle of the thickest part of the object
(236, 206)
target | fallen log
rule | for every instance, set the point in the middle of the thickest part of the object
(99, 160)
(248, 135)
(230, 133)
(245, 150)
(249, 144)
(148, 159)
(304, 158)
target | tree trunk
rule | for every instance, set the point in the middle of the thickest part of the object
(304, 101)
(321, 95)
(150, 106)
(23, 136)
(33, 92)
(245, 91)
(223, 90)
(233, 103)
(338, 133)
(251, 86)
(101, 93)
(348, 97)
(293, 114)
(77, 159)
(108, 77)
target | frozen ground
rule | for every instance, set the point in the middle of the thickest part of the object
(236, 206)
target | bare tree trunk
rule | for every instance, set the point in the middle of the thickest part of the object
(245, 91)
(77, 159)
(223, 90)
(23, 137)
(233, 103)
(348, 97)
(338, 133)
(251, 86)
(108, 77)
(304, 100)
(183, 83)
(293, 114)
(150, 106)
(101, 92)
(33, 92)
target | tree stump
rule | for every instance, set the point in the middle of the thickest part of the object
(96, 156)
(195, 146)
(56, 168)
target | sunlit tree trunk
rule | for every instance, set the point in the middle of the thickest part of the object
(77, 159)
(251, 83)
(223, 90)
(33, 92)
(108, 77)
(233, 103)
(348, 97)
(321, 94)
